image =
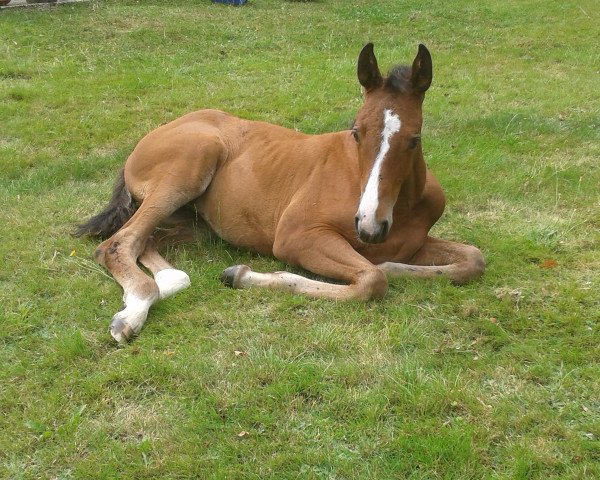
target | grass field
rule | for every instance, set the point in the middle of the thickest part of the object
(497, 379)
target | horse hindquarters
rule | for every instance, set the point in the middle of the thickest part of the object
(170, 182)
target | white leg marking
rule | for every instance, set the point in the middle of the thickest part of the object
(170, 281)
(290, 282)
(133, 316)
(369, 201)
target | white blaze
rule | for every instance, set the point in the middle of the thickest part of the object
(370, 198)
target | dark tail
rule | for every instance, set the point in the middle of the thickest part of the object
(120, 209)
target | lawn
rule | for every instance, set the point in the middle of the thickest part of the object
(496, 379)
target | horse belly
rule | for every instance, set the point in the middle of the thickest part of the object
(237, 211)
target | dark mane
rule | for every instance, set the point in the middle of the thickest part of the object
(398, 80)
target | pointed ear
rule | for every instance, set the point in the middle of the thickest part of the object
(422, 70)
(368, 72)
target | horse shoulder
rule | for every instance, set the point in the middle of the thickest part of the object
(433, 199)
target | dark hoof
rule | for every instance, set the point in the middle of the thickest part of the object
(231, 276)
(120, 331)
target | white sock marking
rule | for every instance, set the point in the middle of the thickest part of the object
(370, 197)
(134, 314)
(170, 281)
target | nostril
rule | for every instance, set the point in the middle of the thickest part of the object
(356, 222)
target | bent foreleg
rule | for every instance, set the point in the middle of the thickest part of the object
(459, 262)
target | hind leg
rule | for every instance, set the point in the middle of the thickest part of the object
(120, 253)
(168, 279)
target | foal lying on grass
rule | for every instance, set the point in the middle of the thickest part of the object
(353, 206)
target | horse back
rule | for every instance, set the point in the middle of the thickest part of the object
(269, 170)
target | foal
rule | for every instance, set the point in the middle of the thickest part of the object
(355, 206)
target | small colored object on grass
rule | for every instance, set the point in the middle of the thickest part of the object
(231, 2)
(549, 263)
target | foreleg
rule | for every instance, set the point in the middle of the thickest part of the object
(328, 255)
(459, 262)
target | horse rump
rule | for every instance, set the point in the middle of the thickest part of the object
(118, 211)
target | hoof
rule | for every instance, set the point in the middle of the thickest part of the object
(120, 331)
(129, 321)
(231, 276)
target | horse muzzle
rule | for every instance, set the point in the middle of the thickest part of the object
(371, 232)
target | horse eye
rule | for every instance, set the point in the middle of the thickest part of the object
(355, 134)
(414, 141)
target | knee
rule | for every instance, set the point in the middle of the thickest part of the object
(477, 261)
(372, 284)
(470, 268)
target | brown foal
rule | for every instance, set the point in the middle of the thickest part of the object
(355, 206)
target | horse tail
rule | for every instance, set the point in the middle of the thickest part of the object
(118, 211)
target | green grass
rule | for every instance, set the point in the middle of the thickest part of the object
(497, 379)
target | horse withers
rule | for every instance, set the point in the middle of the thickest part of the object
(354, 206)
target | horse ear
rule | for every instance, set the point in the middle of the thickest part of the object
(368, 72)
(422, 70)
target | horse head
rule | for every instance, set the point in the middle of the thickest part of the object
(387, 132)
